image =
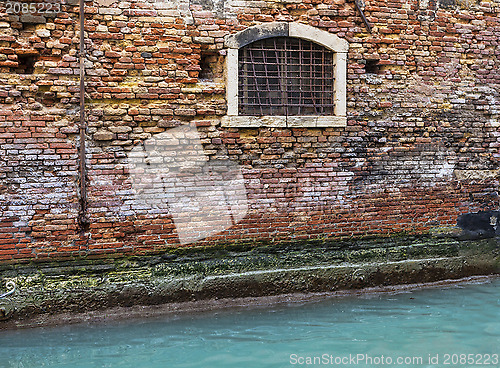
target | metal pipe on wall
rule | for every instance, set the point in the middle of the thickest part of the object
(82, 217)
(360, 9)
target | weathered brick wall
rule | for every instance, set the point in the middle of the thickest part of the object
(421, 145)
(38, 148)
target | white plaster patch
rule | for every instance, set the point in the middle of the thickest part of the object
(171, 174)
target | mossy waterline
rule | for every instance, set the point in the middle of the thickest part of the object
(233, 271)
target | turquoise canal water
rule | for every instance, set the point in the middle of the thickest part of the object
(456, 326)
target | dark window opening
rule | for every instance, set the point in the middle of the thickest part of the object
(372, 67)
(286, 76)
(28, 27)
(26, 64)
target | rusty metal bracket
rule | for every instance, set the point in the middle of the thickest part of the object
(11, 288)
(358, 5)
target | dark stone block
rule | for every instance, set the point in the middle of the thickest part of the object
(205, 4)
(481, 225)
(255, 34)
(34, 19)
(447, 4)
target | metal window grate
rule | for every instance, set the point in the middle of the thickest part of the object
(286, 76)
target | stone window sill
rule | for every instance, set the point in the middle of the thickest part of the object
(284, 121)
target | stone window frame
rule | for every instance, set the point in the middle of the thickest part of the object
(236, 41)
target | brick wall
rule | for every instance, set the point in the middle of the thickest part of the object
(420, 148)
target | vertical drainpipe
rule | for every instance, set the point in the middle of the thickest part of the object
(82, 216)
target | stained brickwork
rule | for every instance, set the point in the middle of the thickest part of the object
(420, 148)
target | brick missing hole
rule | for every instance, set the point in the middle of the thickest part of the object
(26, 64)
(211, 66)
(372, 67)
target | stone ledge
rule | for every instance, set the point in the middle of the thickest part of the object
(284, 121)
(181, 275)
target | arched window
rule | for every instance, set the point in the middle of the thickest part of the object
(285, 75)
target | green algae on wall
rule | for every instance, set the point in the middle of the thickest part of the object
(232, 271)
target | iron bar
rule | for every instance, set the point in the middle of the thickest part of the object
(286, 76)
